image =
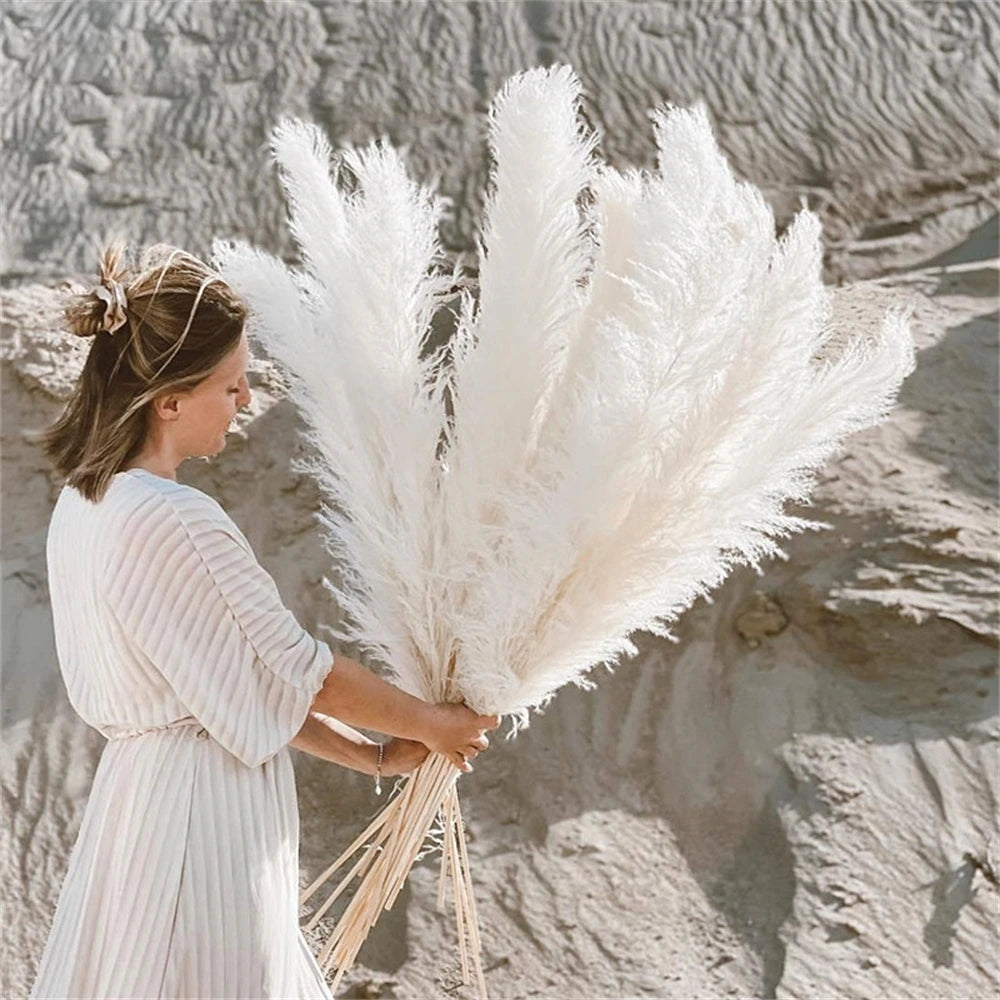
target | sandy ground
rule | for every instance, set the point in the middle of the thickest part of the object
(798, 800)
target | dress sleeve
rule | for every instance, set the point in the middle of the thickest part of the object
(188, 592)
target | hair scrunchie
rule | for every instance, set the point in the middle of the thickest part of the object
(115, 303)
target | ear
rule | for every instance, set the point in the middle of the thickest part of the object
(167, 406)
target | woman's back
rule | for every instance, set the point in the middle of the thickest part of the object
(111, 687)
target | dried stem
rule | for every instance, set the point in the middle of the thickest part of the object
(392, 842)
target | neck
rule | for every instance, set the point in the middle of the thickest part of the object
(159, 465)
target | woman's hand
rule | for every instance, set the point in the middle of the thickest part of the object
(457, 732)
(402, 756)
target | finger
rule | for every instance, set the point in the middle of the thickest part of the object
(482, 742)
(489, 721)
(470, 751)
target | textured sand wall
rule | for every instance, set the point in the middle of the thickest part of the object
(798, 799)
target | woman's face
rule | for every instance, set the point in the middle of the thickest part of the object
(209, 408)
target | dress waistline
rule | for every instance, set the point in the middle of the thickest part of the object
(201, 734)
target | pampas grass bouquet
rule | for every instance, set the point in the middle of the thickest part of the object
(645, 377)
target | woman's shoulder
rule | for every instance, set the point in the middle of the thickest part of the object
(140, 500)
(138, 478)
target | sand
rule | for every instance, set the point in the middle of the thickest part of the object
(799, 798)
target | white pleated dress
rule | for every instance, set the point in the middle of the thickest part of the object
(173, 641)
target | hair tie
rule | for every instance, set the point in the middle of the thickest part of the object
(115, 302)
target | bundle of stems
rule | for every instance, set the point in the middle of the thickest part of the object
(389, 845)
(647, 377)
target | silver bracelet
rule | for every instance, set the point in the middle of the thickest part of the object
(378, 769)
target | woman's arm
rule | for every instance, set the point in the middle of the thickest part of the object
(321, 738)
(331, 740)
(353, 694)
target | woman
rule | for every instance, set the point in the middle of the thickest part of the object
(173, 641)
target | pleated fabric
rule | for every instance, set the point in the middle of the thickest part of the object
(173, 641)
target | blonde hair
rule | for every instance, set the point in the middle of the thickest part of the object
(181, 319)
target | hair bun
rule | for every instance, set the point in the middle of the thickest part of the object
(102, 307)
